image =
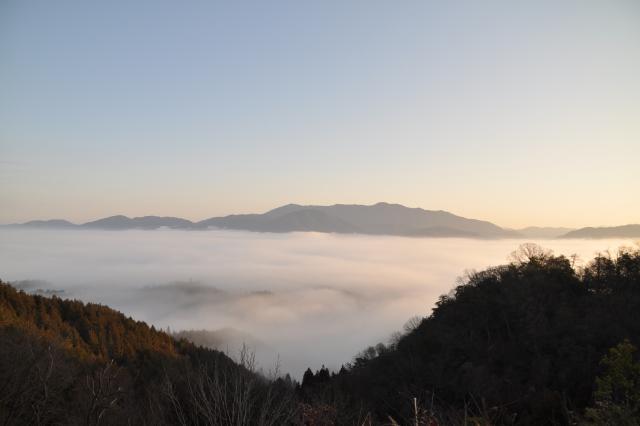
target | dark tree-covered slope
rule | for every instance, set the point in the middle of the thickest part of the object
(515, 344)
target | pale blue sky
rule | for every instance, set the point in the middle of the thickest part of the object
(519, 113)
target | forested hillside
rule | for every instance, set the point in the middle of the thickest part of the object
(515, 344)
(65, 362)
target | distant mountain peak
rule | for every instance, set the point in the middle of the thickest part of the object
(120, 222)
(381, 218)
(51, 223)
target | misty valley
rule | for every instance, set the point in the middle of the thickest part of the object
(302, 299)
(322, 323)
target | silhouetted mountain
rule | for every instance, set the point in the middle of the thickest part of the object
(146, 222)
(626, 231)
(52, 223)
(377, 219)
(283, 220)
(543, 231)
(380, 219)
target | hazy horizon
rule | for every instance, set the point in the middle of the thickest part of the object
(195, 220)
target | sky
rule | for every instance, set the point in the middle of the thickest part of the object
(520, 113)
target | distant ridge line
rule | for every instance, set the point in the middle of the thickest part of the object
(377, 219)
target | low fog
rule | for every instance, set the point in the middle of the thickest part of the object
(312, 298)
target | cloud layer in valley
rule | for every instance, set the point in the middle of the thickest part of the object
(313, 298)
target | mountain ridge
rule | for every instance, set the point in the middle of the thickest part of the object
(376, 219)
(623, 231)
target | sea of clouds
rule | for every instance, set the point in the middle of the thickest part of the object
(308, 298)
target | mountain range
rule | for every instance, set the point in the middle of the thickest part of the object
(377, 219)
(625, 231)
